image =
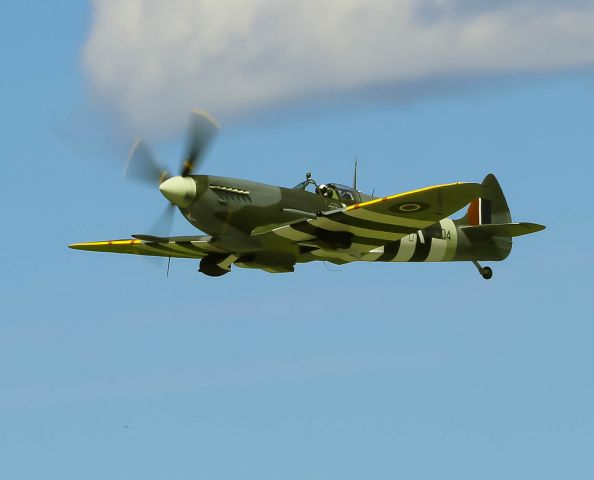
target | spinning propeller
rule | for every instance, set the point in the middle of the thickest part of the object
(142, 165)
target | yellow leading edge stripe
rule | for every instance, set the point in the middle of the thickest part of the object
(112, 242)
(392, 197)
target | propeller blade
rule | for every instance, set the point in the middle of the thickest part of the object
(162, 227)
(159, 233)
(203, 128)
(143, 166)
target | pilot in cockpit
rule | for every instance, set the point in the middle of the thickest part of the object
(328, 191)
(331, 191)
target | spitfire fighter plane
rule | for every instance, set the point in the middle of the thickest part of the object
(254, 225)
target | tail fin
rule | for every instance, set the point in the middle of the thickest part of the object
(489, 209)
(486, 231)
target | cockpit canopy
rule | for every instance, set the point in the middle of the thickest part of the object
(340, 192)
(334, 191)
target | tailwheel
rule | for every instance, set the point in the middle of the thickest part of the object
(486, 272)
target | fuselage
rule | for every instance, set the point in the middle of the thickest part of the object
(230, 209)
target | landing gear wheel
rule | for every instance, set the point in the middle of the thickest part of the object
(486, 272)
(210, 266)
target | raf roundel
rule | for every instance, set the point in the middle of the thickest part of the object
(409, 207)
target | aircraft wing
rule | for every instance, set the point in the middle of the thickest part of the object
(367, 225)
(182, 247)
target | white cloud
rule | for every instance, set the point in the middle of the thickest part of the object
(152, 61)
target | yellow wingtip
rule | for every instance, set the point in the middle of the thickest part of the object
(86, 245)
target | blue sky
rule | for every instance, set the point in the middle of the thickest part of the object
(361, 371)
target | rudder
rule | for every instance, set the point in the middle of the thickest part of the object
(491, 208)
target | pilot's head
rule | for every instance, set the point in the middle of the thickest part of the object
(323, 190)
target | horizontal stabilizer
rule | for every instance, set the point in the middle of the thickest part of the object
(503, 229)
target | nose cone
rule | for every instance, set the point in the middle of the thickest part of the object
(179, 190)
